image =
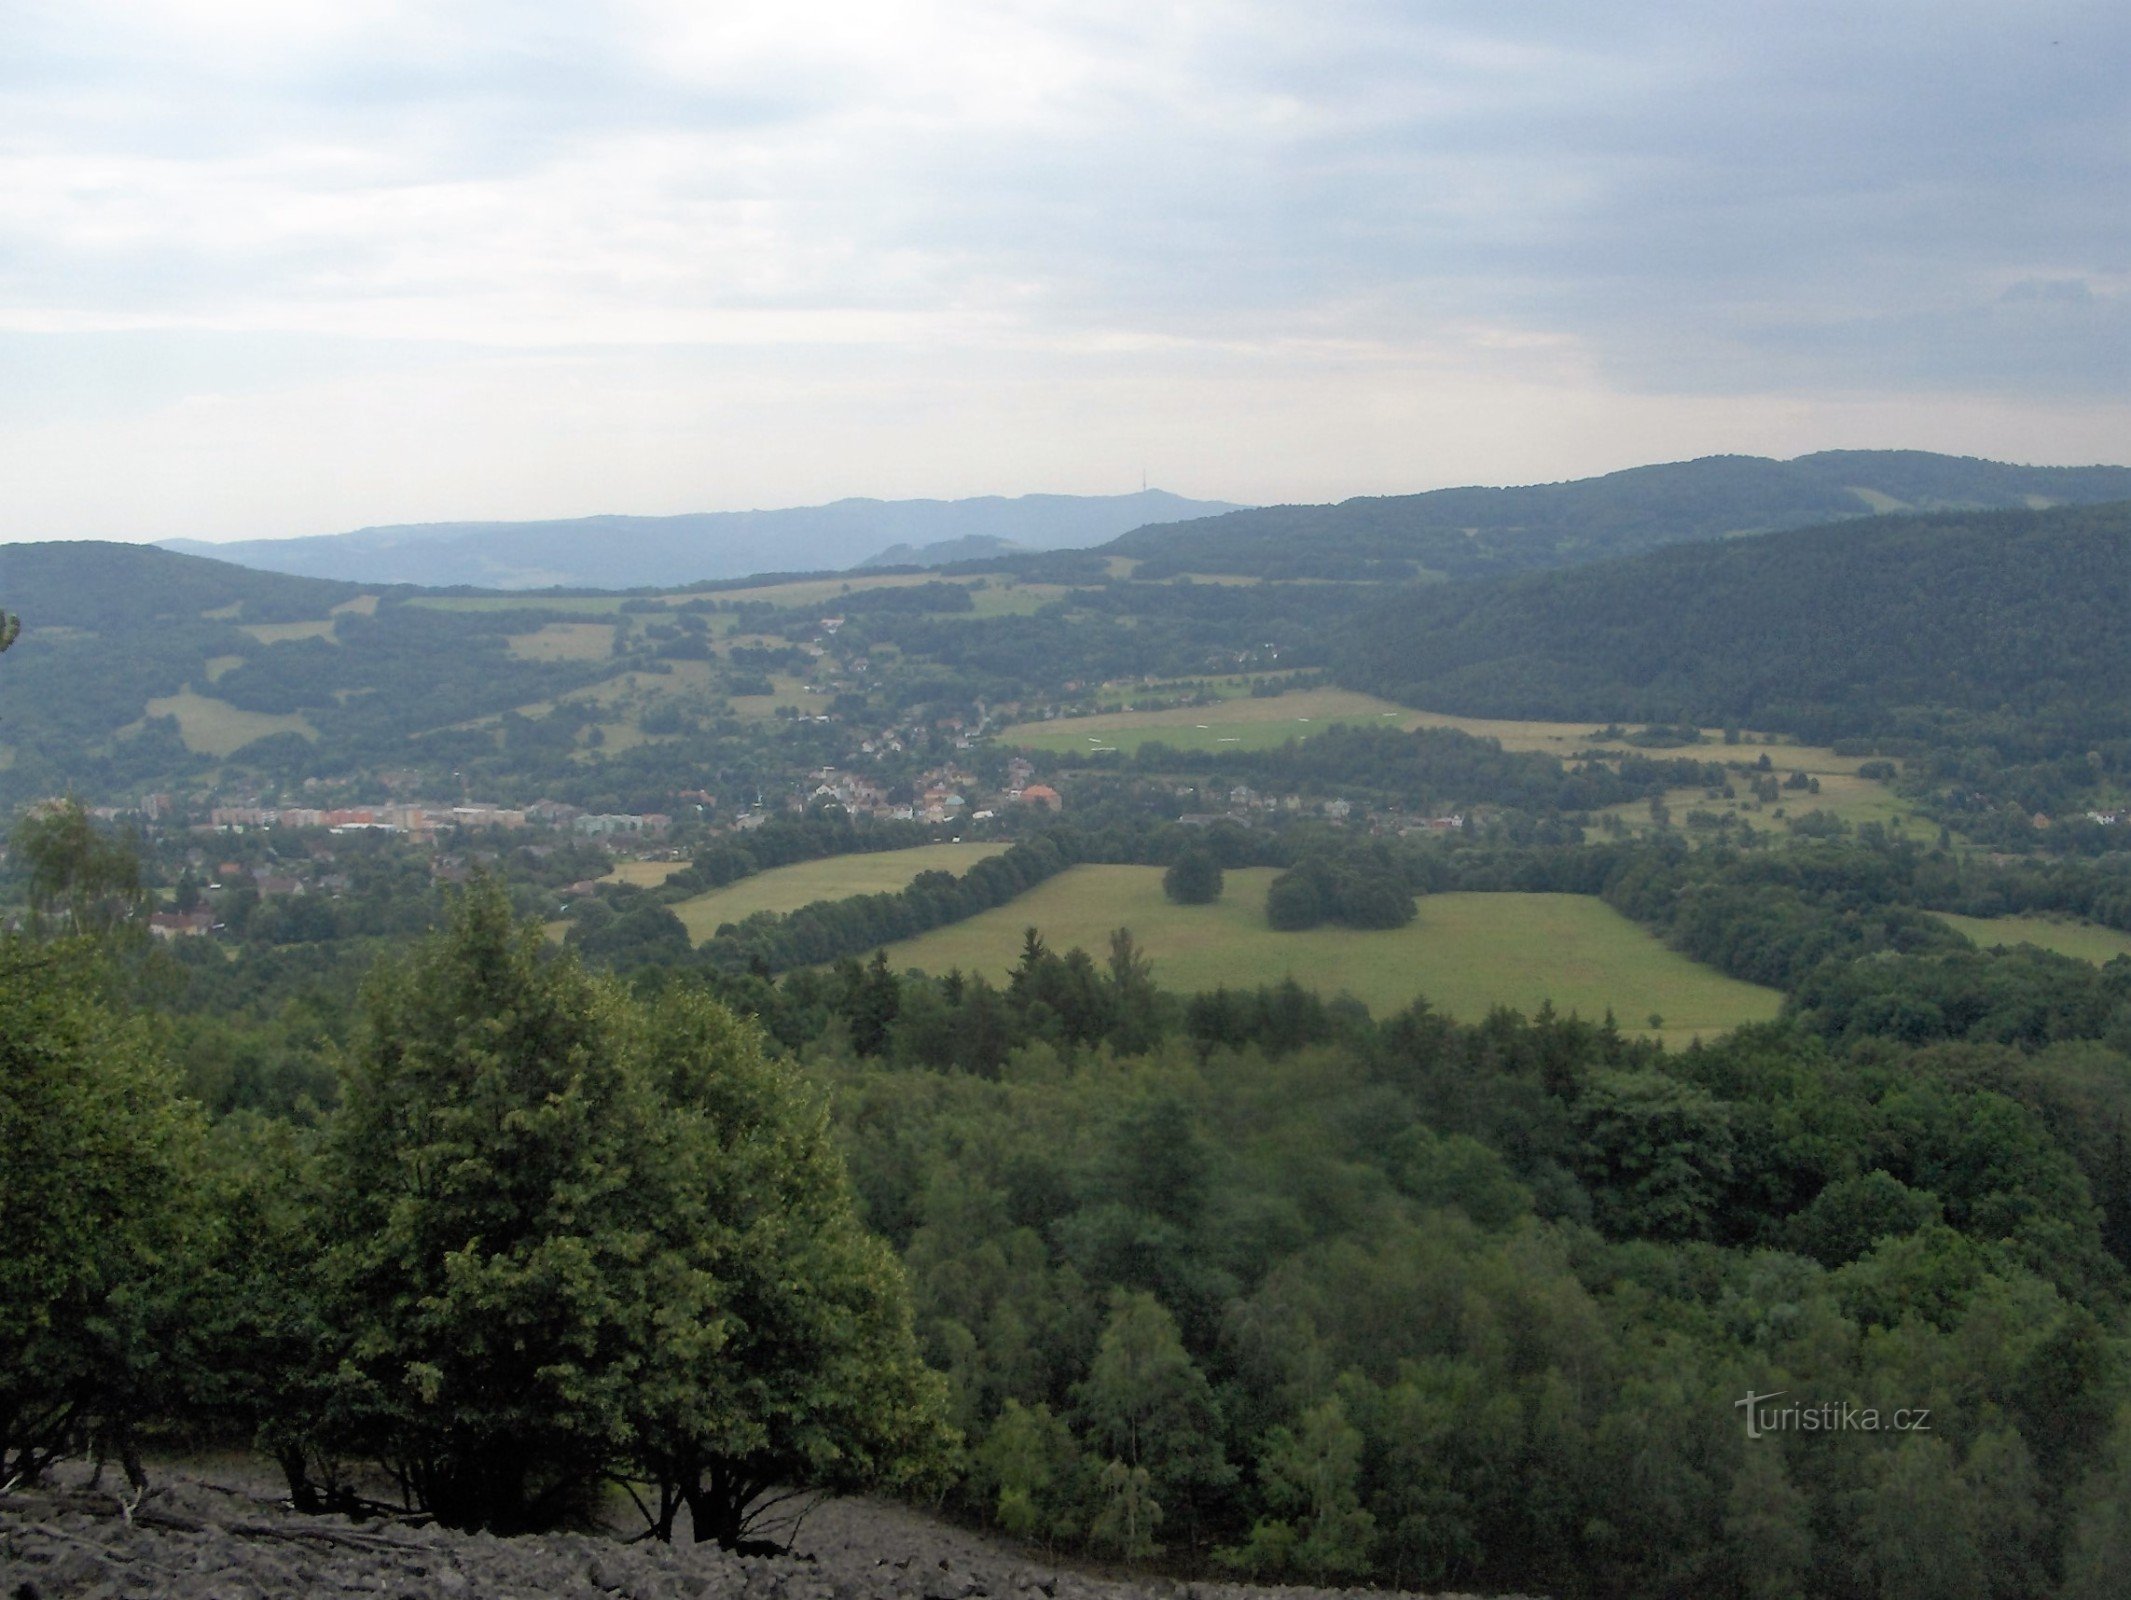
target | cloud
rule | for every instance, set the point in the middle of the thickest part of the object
(214, 200)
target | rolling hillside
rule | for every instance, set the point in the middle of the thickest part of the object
(1465, 533)
(1845, 628)
(651, 552)
(141, 669)
(138, 667)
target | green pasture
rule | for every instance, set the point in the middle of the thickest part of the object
(1465, 953)
(643, 874)
(565, 641)
(1845, 796)
(1003, 598)
(837, 878)
(1260, 724)
(217, 728)
(529, 600)
(786, 691)
(823, 592)
(2083, 941)
(1239, 724)
(283, 632)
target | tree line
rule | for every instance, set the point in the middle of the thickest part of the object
(553, 1239)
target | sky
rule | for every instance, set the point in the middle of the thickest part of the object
(278, 267)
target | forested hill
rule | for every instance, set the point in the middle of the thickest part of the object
(1464, 533)
(650, 552)
(121, 642)
(89, 584)
(1851, 628)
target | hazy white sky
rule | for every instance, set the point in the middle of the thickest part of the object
(281, 266)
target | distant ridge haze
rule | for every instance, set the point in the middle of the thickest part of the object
(1481, 532)
(1466, 532)
(629, 552)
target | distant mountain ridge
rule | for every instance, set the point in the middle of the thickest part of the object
(944, 552)
(1478, 532)
(629, 552)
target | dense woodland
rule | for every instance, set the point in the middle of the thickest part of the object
(431, 1207)
(1986, 627)
(1247, 1281)
(1467, 533)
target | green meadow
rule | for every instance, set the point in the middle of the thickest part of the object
(2084, 941)
(1001, 595)
(1850, 799)
(1260, 724)
(1244, 724)
(283, 632)
(565, 641)
(1465, 953)
(643, 874)
(837, 878)
(217, 728)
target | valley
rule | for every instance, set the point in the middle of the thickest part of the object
(972, 802)
(1197, 947)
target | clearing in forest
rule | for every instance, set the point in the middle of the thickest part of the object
(834, 878)
(1465, 953)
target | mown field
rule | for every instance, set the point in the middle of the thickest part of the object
(1244, 724)
(216, 728)
(1258, 724)
(1844, 796)
(1466, 953)
(643, 874)
(999, 596)
(2084, 941)
(789, 888)
(283, 632)
(565, 641)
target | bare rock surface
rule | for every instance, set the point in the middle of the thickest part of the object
(192, 1538)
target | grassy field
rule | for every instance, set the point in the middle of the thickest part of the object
(788, 691)
(633, 688)
(281, 632)
(1857, 801)
(1466, 953)
(789, 888)
(217, 728)
(821, 591)
(1851, 799)
(1002, 597)
(644, 874)
(1568, 738)
(589, 604)
(1249, 724)
(2085, 941)
(1244, 724)
(363, 605)
(565, 641)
